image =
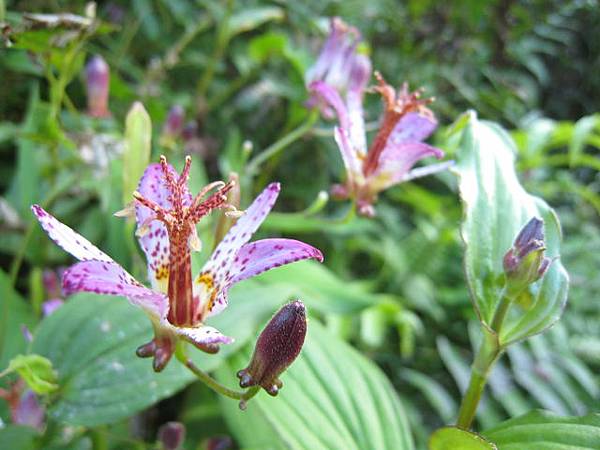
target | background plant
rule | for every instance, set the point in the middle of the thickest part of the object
(237, 69)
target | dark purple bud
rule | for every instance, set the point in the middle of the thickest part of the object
(219, 443)
(524, 263)
(97, 74)
(171, 435)
(28, 411)
(276, 348)
(174, 124)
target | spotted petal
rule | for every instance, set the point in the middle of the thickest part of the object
(103, 277)
(413, 127)
(240, 233)
(259, 256)
(154, 240)
(210, 285)
(202, 335)
(397, 160)
(69, 240)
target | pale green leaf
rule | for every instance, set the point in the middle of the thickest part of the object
(495, 208)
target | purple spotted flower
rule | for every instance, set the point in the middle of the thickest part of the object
(177, 304)
(396, 148)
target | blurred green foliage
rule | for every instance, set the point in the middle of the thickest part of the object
(393, 287)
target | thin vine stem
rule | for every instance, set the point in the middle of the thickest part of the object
(213, 384)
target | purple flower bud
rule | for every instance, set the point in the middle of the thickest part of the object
(360, 73)
(277, 347)
(97, 74)
(171, 435)
(28, 411)
(174, 124)
(524, 263)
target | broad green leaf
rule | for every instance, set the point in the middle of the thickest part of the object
(495, 208)
(18, 437)
(452, 438)
(14, 313)
(541, 430)
(333, 397)
(91, 341)
(37, 372)
(320, 288)
(136, 156)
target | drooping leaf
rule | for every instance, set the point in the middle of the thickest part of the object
(454, 438)
(541, 430)
(333, 397)
(495, 208)
(91, 341)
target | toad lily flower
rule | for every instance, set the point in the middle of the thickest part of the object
(396, 148)
(166, 216)
(339, 66)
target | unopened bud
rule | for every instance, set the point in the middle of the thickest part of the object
(190, 130)
(97, 76)
(28, 411)
(524, 263)
(360, 73)
(171, 435)
(173, 126)
(277, 347)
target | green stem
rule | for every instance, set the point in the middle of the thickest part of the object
(213, 384)
(488, 354)
(501, 311)
(282, 143)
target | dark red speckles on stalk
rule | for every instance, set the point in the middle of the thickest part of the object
(277, 347)
(180, 222)
(396, 107)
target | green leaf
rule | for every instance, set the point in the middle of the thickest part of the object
(319, 288)
(252, 18)
(454, 438)
(14, 313)
(20, 437)
(138, 134)
(495, 208)
(333, 397)
(37, 372)
(541, 430)
(91, 341)
(582, 130)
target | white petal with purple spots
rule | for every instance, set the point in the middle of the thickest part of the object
(108, 278)
(69, 240)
